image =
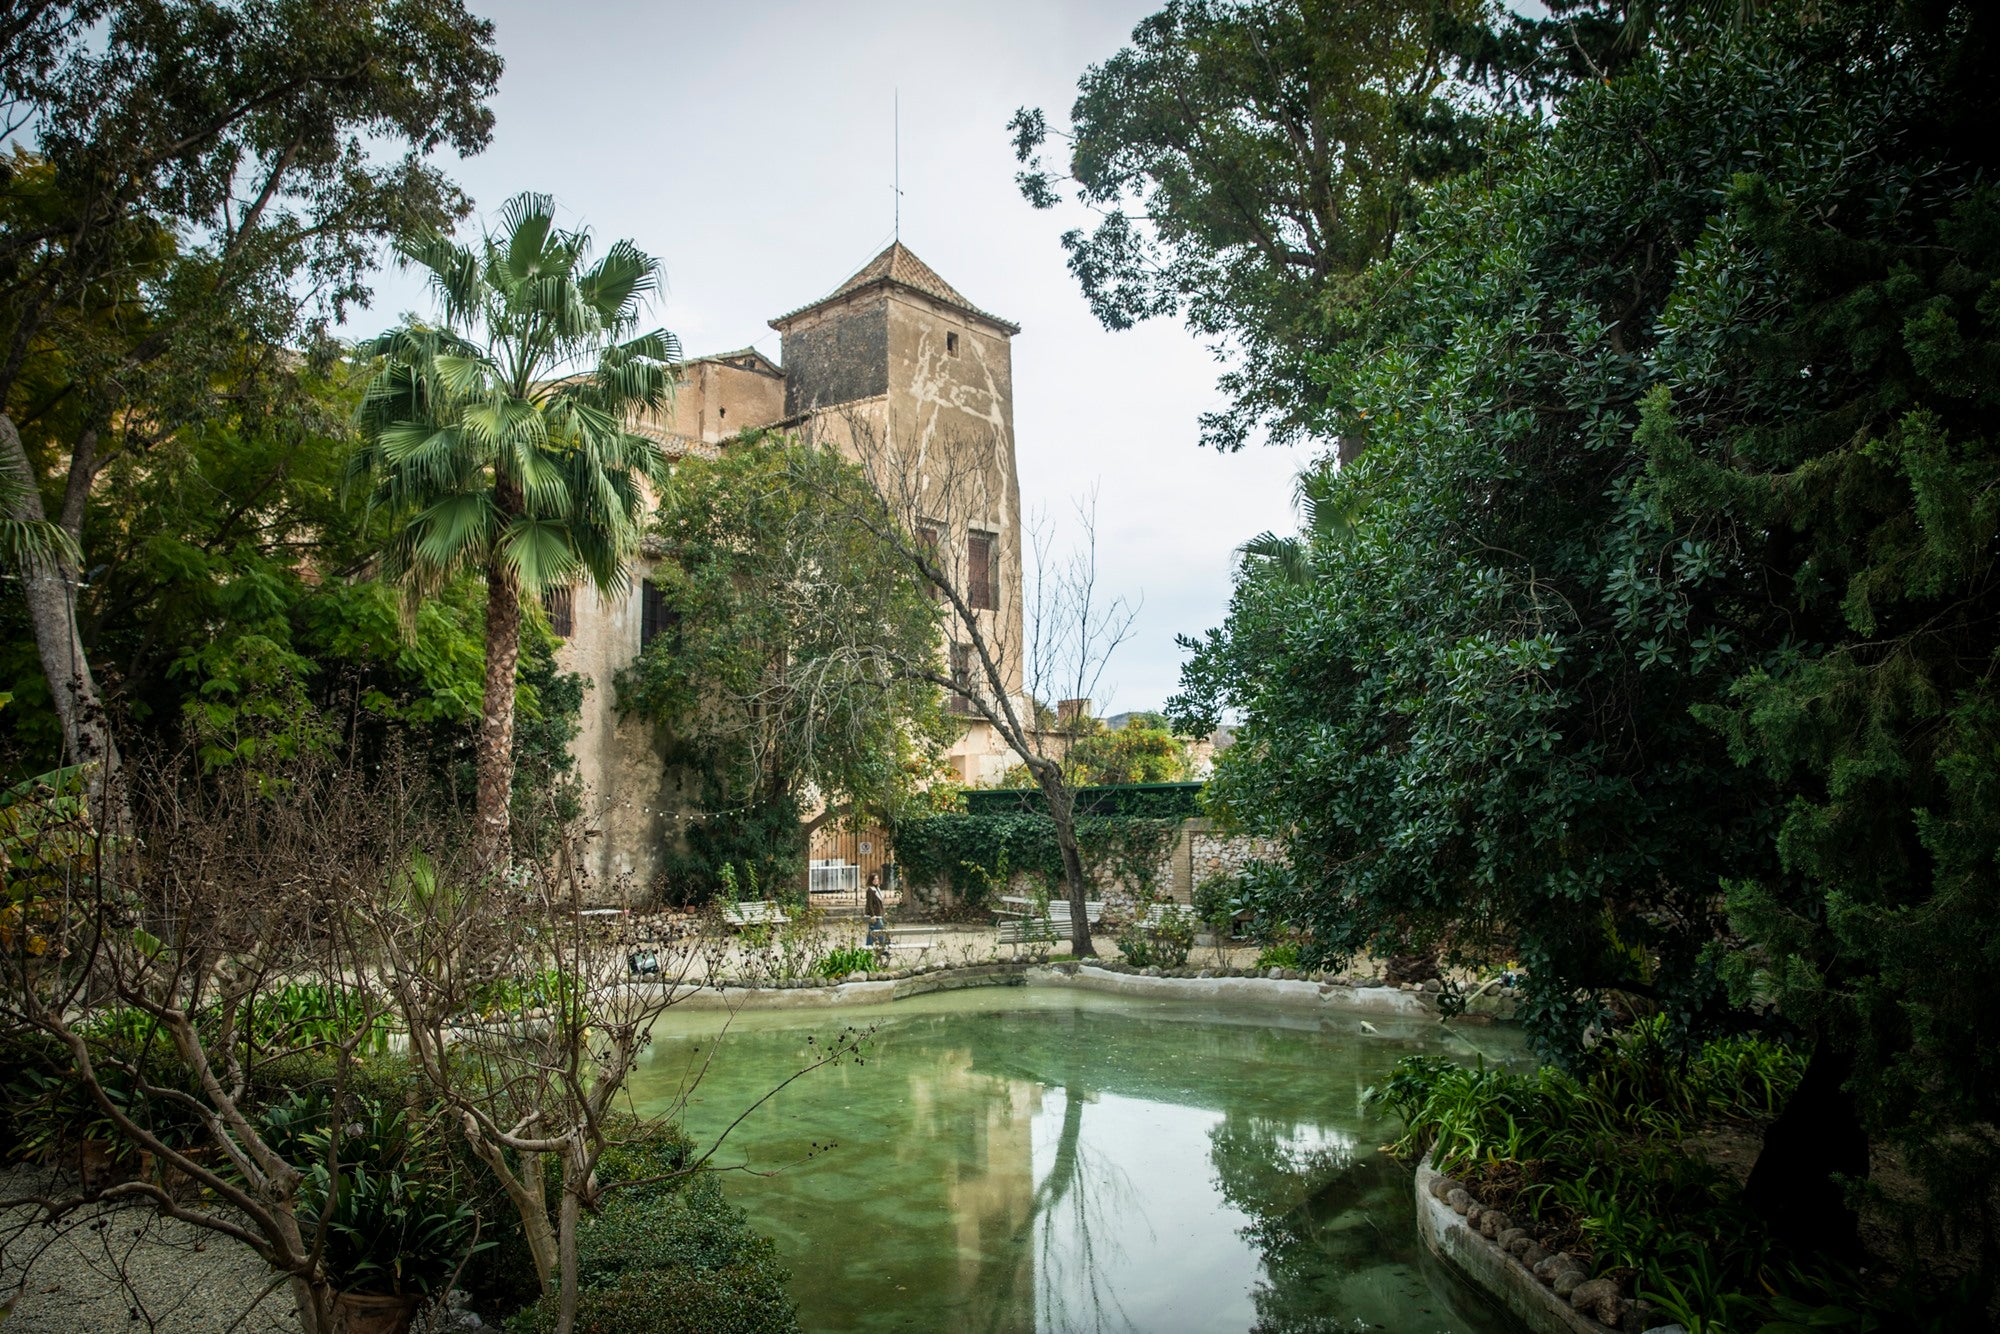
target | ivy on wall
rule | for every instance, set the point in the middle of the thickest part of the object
(970, 852)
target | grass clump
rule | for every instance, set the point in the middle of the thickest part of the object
(847, 959)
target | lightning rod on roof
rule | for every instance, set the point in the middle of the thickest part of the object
(896, 144)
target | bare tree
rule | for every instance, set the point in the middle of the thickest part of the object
(527, 1013)
(1010, 648)
(156, 995)
(524, 1019)
(173, 1002)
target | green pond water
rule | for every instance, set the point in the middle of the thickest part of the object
(1029, 1159)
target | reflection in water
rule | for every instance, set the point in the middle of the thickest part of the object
(1076, 1163)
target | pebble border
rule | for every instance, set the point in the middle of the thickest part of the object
(1550, 1294)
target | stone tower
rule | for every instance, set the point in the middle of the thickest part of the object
(893, 366)
(897, 356)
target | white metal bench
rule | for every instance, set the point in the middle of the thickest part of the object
(1093, 909)
(757, 912)
(898, 939)
(1019, 931)
(1157, 915)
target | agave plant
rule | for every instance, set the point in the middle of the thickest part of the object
(500, 438)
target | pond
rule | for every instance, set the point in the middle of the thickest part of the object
(1043, 1159)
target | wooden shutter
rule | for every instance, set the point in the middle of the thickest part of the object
(982, 571)
(655, 617)
(961, 677)
(560, 604)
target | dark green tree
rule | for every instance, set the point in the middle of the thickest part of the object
(209, 180)
(1247, 160)
(500, 441)
(786, 681)
(1652, 646)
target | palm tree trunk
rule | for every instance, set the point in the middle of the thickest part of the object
(496, 723)
(49, 589)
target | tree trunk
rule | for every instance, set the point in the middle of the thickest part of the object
(496, 723)
(311, 1295)
(1062, 813)
(49, 590)
(1817, 1138)
(566, 1310)
(531, 1202)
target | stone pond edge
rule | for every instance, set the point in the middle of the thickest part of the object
(1505, 1280)
(1322, 997)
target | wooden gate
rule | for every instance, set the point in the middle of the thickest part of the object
(835, 847)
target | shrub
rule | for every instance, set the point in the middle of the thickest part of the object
(1597, 1160)
(672, 1259)
(1284, 954)
(1217, 901)
(847, 959)
(977, 851)
(1164, 943)
(397, 1220)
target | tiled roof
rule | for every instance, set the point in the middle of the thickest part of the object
(742, 355)
(899, 267)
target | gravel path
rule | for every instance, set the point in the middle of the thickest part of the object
(101, 1270)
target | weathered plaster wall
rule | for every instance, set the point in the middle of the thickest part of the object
(720, 398)
(933, 381)
(952, 414)
(627, 791)
(839, 355)
(940, 416)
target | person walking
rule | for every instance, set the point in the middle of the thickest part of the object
(878, 924)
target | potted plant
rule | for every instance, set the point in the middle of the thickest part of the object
(397, 1227)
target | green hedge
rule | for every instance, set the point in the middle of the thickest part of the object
(1155, 801)
(679, 1260)
(971, 852)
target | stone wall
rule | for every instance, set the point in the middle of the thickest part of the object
(840, 357)
(1201, 850)
(1211, 852)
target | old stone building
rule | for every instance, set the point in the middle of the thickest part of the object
(900, 372)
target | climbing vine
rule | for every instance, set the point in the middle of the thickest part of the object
(969, 852)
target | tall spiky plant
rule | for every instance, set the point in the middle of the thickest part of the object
(500, 440)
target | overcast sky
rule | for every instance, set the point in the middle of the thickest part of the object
(750, 147)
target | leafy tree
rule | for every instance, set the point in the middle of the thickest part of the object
(783, 682)
(232, 601)
(207, 179)
(1246, 161)
(1144, 750)
(1827, 423)
(1667, 573)
(499, 440)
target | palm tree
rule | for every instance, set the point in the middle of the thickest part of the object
(25, 539)
(500, 441)
(1328, 520)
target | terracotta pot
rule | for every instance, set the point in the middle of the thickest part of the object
(98, 1165)
(372, 1313)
